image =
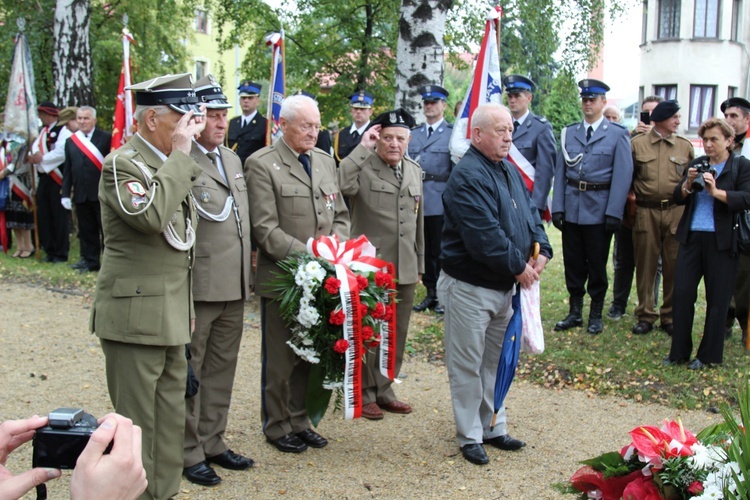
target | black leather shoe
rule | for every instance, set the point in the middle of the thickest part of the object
(670, 362)
(615, 313)
(438, 309)
(570, 321)
(312, 438)
(596, 326)
(669, 328)
(474, 453)
(289, 443)
(505, 442)
(427, 303)
(642, 328)
(79, 265)
(201, 473)
(697, 364)
(231, 460)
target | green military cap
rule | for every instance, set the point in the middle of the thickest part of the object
(208, 90)
(175, 91)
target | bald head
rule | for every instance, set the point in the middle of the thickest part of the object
(492, 131)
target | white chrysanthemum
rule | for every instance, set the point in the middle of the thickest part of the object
(300, 276)
(306, 341)
(309, 287)
(308, 316)
(315, 271)
(309, 355)
(706, 457)
(711, 491)
(332, 386)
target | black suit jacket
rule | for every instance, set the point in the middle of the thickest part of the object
(80, 173)
(737, 186)
(248, 139)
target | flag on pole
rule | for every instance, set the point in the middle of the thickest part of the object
(20, 107)
(123, 122)
(278, 86)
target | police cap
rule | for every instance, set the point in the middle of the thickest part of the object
(432, 93)
(249, 89)
(515, 84)
(361, 99)
(593, 88)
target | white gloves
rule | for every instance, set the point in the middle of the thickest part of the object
(65, 203)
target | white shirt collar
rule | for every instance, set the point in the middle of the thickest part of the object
(434, 126)
(523, 118)
(360, 130)
(595, 125)
(249, 118)
(161, 155)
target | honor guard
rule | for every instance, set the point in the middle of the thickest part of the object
(247, 132)
(533, 139)
(430, 148)
(221, 285)
(360, 107)
(143, 305)
(594, 169)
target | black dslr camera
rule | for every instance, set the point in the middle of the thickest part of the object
(58, 444)
(703, 166)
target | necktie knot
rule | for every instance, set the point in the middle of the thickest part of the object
(589, 133)
(355, 134)
(212, 157)
(429, 132)
(305, 161)
(515, 125)
(397, 171)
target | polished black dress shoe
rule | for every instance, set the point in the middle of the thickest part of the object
(438, 309)
(474, 453)
(642, 328)
(289, 443)
(427, 303)
(671, 362)
(201, 473)
(231, 460)
(697, 364)
(79, 265)
(595, 326)
(505, 442)
(312, 438)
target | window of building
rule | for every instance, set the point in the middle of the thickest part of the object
(706, 19)
(201, 21)
(731, 92)
(736, 14)
(669, 19)
(701, 104)
(666, 91)
(200, 69)
(644, 27)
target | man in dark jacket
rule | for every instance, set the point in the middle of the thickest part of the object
(490, 226)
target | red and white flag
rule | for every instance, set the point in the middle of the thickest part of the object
(277, 91)
(123, 122)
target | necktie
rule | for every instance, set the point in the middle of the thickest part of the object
(355, 134)
(589, 132)
(305, 161)
(429, 132)
(515, 125)
(397, 171)
(244, 123)
(212, 157)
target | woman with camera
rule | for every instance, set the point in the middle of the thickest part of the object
(715, 187)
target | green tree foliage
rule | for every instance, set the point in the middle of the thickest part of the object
(562, 106)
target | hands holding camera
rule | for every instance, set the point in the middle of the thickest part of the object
(117, 475)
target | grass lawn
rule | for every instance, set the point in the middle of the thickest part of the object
(615, 362)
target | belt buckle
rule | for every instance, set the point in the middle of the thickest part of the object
(582, 185)
(664, 204)
(423, 174)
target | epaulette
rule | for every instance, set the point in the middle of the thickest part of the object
(618, 125)
(323, 152)
(684, 139)
(229, 150)
(448, 124)
(264, 151)
(413, 162)
(573, 124)
(542, 119)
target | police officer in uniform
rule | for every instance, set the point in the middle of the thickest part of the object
(430, 148)
(385, 190)
(221, 284)
(360, 106)
(532, 136)
(247, 132)
(143, 305)
(294, 196)
(594, 169)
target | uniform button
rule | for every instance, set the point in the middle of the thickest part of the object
(401, 234)
(320, 228)
(204, 183)
(295, 191)
(401, 208)
(319, 212)
(138, 290)
(585, 150)
(402, 221)
(192, 178)
(402, 196)
(317, 196)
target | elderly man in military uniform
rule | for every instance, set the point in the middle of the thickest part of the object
(737, 112)
(247, 132)
(593, 173)
(532, 138)
(143, 305)
(324, 137)
(221, 284)
(294, 196)
(360, 106)
(660, 159)
(385, 190)
(430, 147)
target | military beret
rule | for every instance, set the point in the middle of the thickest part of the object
(394, 118)
(175, 91)
(431, 93)
(735, 102)
(249, 89)
(208, 91)
(664, 110)
(66, 115)
(48, 107)
(593, 88)
(515, 84)
(361, 99)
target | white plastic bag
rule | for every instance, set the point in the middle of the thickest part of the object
(532, 338)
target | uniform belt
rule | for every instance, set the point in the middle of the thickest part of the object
(432, 177)
(589, 186)
(661, 204)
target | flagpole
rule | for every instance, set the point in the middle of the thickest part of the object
(126, 36)
(269, 106)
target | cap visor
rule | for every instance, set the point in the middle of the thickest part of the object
(185, 108)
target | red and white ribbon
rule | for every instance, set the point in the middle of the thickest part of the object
(88, 149)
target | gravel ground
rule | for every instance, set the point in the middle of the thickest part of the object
(48, 359)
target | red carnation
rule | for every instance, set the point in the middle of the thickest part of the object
(390, 311)
(362, 282)
(383, 280)
(695, 488)
(363, 310)
(379, 311)
(332, 285)
(337, 317)
(341, 346)
(367, 333)
(374, 341)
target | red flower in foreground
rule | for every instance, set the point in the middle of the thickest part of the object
(363, 309)
(390, 311)
(362, 282)
(383, 280)
(379, 312)
(337, 317)
(332, 285)
(695, 488)
(642, 488)
(341, 346)
(367, 333)
(374, 341)
(586, 479)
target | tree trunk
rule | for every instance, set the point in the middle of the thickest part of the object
(71, 62)
(419, 54)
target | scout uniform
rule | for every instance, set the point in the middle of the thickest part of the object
(143, 301)
(246, 135)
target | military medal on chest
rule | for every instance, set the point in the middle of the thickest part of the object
(205, 197)
(330, 200)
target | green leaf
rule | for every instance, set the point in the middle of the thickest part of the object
(317, 398)
(611, 460)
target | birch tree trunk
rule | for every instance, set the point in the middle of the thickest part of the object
(419, 53)
(71, 61)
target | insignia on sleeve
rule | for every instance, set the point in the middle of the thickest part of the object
(138, 200)
(136, 188)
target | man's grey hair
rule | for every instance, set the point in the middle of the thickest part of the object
(140, 111)
(88, 108)
(292, 105)
(482, 117)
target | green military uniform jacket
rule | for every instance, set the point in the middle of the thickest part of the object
(659, 164)
(143, 291)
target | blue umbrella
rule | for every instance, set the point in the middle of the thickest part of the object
(506, 366)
